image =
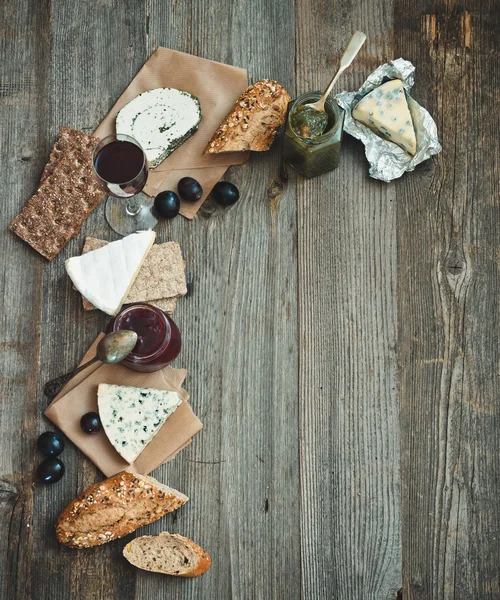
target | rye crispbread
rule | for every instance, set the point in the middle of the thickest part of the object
(167, 305)
(161, 280)
(69, 141)
(57, 210)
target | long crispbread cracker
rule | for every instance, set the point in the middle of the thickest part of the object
(69, 141)
(161, 280)
(57, 210)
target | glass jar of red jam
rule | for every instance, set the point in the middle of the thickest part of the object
(159, 339)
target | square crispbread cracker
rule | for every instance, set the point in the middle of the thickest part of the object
(161, 280)
(162, 275)
(56, 211)
(167, 305)
(69, 141)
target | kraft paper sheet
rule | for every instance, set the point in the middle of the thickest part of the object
(80, 396)
(217, 86)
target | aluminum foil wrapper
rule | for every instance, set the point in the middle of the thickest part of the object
(387, 160)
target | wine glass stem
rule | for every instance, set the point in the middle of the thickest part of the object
(133, 206)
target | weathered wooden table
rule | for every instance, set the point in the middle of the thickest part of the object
(341, 334)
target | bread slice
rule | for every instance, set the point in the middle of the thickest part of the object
(253, 121)
(113, 508)
(168, 553)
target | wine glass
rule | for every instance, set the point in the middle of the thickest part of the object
(121, 166)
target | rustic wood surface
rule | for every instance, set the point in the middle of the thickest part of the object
(341, 333)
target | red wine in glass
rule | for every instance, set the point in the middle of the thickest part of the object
(121, 167)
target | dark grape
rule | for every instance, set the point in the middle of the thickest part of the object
(225, 193)
(189, 189)
(90, 422)
(167, 204)
(50, 470)
(50, 443)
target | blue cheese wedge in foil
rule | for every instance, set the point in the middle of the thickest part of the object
(131, 417)
(160, 120)
(385, 110)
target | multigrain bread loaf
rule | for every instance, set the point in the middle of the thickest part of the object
(113, 508)
(253, 121)
(168, 553)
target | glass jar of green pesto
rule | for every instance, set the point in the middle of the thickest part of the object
(318, 154)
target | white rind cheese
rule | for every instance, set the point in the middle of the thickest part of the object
(160, 120)
(104, 276)
(385, 110)
(131, 416)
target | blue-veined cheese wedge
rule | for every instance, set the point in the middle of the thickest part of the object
(385, 110)
(160, 120)
(131, 417)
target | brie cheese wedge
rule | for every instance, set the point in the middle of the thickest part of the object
(385, 110)
(160, 120)
(131, 416)
(104, 276)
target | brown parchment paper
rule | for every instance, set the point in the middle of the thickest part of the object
(80, 397)
(217, 86)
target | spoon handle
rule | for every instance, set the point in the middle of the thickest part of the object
(54, 386)
(353, 47)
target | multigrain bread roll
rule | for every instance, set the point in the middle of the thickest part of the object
(253, 121)
(113, 508)
(168, 553)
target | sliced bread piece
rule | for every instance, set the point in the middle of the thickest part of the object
(113, 508)
(253, 121)
(168, 553)
(131, 416)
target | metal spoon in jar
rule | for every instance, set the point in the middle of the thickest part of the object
(320, 121)
(112, 349)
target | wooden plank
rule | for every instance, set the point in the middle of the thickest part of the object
(240, 330)
(448, 283)
(94, 54)
(349, 431)
(24, 51)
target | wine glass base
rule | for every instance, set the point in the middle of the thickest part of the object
(122, 222)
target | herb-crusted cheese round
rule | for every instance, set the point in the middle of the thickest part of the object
(160, 120)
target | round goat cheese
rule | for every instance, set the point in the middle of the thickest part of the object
(160, 120)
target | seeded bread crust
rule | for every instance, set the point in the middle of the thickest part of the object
(113, 508)
(137, 556)
(253, 121)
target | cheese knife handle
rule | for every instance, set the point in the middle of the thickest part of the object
(54, 386)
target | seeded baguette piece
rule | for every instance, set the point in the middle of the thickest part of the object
(253, 121)
(115, 507)
(168, 553)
